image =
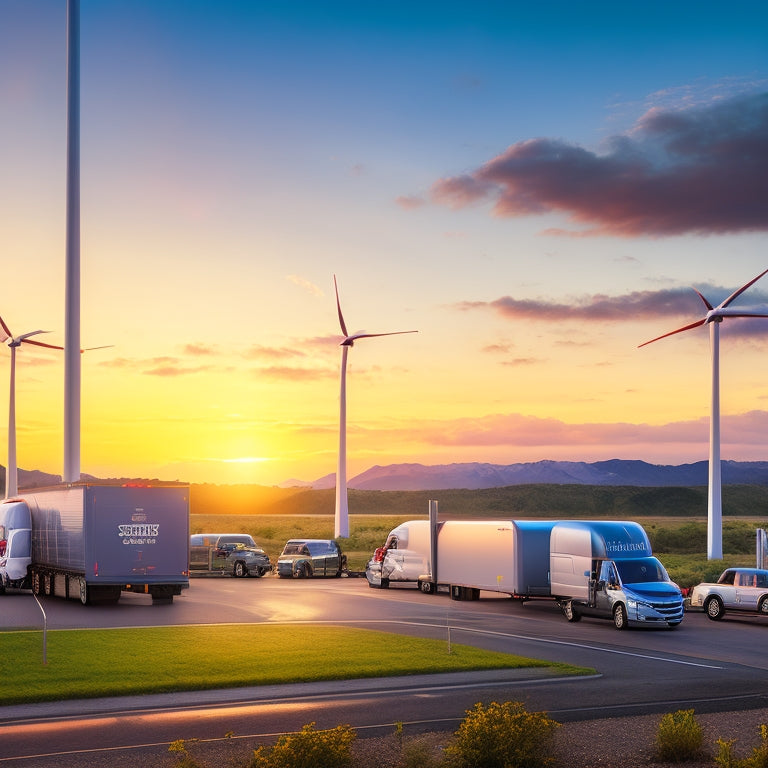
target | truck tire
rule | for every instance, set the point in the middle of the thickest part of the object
(85, 598)
(620, 617)
(570, 612)
(427, 587)
(37, 584)
(239, 571)
(714, 609)
(762, 608)
(302, 571)
(162, 594)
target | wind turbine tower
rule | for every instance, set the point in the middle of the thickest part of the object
(72, 275)
(713, 318)
(341, 518)
(11, 469)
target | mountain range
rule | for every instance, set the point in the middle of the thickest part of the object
(474, 475)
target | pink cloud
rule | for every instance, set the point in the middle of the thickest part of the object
(410, 202)
(701, 170)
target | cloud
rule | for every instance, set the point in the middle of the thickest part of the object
(533, 432)
(260, 352)
(700, 170)
(287, 373)
(157, 366)
(198, 350)
(308, 286)
(630, 307)
(410, 202)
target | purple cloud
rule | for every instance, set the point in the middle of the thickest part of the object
(700, 170)
(638, 305)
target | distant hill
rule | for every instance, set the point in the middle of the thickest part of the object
(615, 472)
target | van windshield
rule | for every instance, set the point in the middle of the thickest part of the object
(642, 569)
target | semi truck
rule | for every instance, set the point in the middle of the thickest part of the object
(92, 542)
(589, 568)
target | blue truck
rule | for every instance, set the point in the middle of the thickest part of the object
(92, 542)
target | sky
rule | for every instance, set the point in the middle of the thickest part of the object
(535, 188)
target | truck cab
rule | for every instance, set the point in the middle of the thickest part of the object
(15, 545)
(606, 570)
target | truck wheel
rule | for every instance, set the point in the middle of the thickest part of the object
(301, 571)
(620, 616)
(37, 587)
(763, 607)
(714, 608)
(427, 587)
(570, 613)
(239, 571)
(84, 596)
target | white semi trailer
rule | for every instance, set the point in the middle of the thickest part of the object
(92, 542)
(590, 568)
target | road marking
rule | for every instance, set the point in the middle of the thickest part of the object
(455, 628)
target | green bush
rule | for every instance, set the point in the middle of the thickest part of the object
(502, 736)
(679, 737)
(183, 758)
(758, 758)
(308, 749)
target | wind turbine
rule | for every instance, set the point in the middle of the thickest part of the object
(341, 518)
(11, 472)
(713, 318)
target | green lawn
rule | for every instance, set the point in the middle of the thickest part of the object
(121, 662)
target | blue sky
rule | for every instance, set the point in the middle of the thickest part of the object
(449, 162)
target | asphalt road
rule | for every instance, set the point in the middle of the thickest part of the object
(703, 665)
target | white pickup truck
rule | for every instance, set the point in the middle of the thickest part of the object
(738, 589)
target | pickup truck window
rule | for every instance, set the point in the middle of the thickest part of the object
(727, 577)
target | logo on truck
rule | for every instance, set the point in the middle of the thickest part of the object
(625, 546)
(139, 533)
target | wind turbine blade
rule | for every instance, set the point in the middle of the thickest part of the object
(338, 307)
(371, 335)
(6, 329)
(672, 333)
(41, 343)
(25, 336)
(741, 290)
(702, 297)
(742, 313)
(90, 349)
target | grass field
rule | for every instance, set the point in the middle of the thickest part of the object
(121, 662)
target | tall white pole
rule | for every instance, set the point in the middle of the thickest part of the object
(72, 304)
(341, 517)
(11, 474)
(714, 494)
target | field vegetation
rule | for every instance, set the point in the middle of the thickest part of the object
(90, 663)
(675, 518)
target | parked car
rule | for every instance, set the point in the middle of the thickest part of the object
(235, 553)
(304, 558)
(737, 589)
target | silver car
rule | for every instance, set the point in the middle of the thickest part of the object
(738, 589)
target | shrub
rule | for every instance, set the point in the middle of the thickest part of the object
(758, 758)
(502, 736)
(308, 749)
(679, 737)
(184, 759)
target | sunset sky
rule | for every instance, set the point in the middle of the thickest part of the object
(533, 187)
